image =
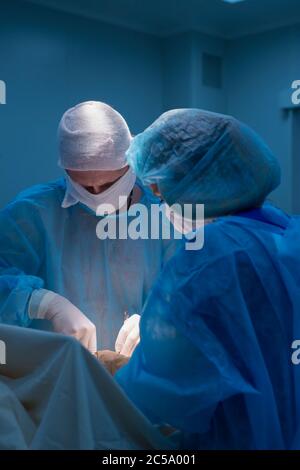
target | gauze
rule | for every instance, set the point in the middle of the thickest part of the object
(110, 197)
(93, 136)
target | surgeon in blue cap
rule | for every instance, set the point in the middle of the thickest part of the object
(215, 353)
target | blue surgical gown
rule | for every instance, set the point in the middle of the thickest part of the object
(43, 245)
(215, 357)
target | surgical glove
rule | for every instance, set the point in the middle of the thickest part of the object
(129, 336)
(65, 317)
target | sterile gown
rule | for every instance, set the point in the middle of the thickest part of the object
(43, 245)
(215, 357)
(55, 395)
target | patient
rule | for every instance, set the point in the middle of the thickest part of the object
(55, 395)
(112, 360)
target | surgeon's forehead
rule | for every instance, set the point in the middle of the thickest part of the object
(93, 177)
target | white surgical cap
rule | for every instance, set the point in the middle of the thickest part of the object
(93, 136)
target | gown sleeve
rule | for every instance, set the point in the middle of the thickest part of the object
(20, 258)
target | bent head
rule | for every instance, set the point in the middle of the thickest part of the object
(190, 156)
(93, 139)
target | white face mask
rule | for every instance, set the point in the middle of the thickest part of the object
(183, 224)
(76, 193)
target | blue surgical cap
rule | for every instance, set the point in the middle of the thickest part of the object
(196, 156)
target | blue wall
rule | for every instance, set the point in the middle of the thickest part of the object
(182, 72)
(258, 70)
(51, 61)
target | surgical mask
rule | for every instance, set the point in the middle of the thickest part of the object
(184, 225)
(121, 188)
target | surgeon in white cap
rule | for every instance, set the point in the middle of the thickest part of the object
(52, 264)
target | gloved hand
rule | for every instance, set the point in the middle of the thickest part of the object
(129, 336)
(65, 317)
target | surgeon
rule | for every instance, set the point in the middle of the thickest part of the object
(215, 358)
(53, 266)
